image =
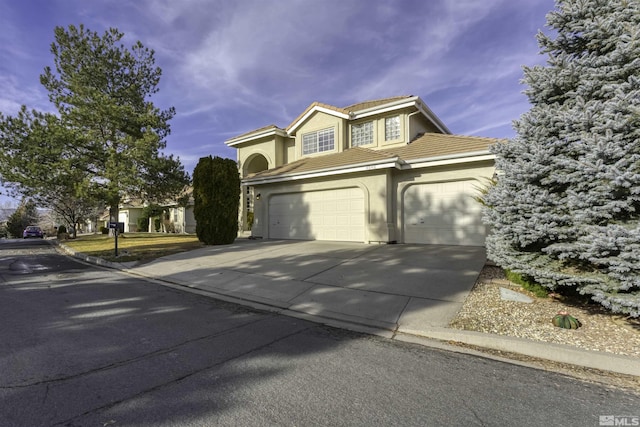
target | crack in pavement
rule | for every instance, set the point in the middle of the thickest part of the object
(183, 377)
(131, 360)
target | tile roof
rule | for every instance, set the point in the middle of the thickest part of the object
(256, 131)
(439, 144)
(374, 103)
(353, 156)
(429, 145)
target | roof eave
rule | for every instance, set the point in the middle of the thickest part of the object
(413, 101)
(449, 159)
(393, 105)
(393, 162)
(253, 136)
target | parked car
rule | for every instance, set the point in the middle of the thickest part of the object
(32, 231)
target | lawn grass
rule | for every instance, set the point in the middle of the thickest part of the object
(133, 246)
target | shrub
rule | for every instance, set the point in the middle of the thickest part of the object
(143, 224)
(104, 230)
(527, 283)
(62, 229)
(216, 193)
(249, 220)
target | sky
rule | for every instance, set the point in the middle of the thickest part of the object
(232, 66)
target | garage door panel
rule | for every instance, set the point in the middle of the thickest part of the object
(443, 213)
(318, 215)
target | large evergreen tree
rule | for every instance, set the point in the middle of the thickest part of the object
(566, 207)
(107, 137)
(26, 214)
(216, 195)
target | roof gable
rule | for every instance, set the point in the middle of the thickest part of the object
(351, 112)
(315, 107)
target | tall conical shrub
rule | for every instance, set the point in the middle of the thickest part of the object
(216, 194)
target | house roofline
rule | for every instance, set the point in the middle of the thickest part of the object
(257, 134)
(448, 159)
(293, 126)
(393, 162)
(414, 101)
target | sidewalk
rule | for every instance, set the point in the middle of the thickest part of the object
(403, 292)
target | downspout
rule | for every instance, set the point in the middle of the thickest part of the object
(408, 124)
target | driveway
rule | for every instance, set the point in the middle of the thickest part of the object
(414, 287)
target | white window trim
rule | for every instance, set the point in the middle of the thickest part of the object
(370, 135)
(399, 125)
(316, 135)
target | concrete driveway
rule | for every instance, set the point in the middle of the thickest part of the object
(413, 287)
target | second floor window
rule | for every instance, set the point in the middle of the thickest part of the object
(317, 142)
(362, 134)
(392, 128)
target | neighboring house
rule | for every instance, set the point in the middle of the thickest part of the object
(181, 218)
(380, 171)
(129, 212)
(176, 218)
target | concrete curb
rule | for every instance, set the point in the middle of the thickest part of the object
(549, 351)
(433, 336)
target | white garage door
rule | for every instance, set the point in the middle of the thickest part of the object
(318, 215)
(444, 213)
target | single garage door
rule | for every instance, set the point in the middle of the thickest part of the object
(318, 215)
(443, 213)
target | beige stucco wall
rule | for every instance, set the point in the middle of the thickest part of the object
(267, 148)
(319, 121)
(379, 130)
(130, 218)
(275, 149)
(418, 124)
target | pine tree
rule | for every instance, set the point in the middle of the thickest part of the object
(566, 207)
(107, 138)
(26, 214)
(216, 195)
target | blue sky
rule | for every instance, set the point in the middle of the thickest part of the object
(233, 66)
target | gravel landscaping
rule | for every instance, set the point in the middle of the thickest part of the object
(485, 311)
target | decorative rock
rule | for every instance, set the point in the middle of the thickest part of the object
(509, 295)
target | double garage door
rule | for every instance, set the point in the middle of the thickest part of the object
(318, 215)
(443, 213)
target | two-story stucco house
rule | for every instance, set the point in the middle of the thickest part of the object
(379, 171)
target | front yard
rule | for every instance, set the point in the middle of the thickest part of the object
(133, 246)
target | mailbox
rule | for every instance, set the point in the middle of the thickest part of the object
(117, 226)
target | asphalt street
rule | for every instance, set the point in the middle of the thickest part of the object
(87, 346)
